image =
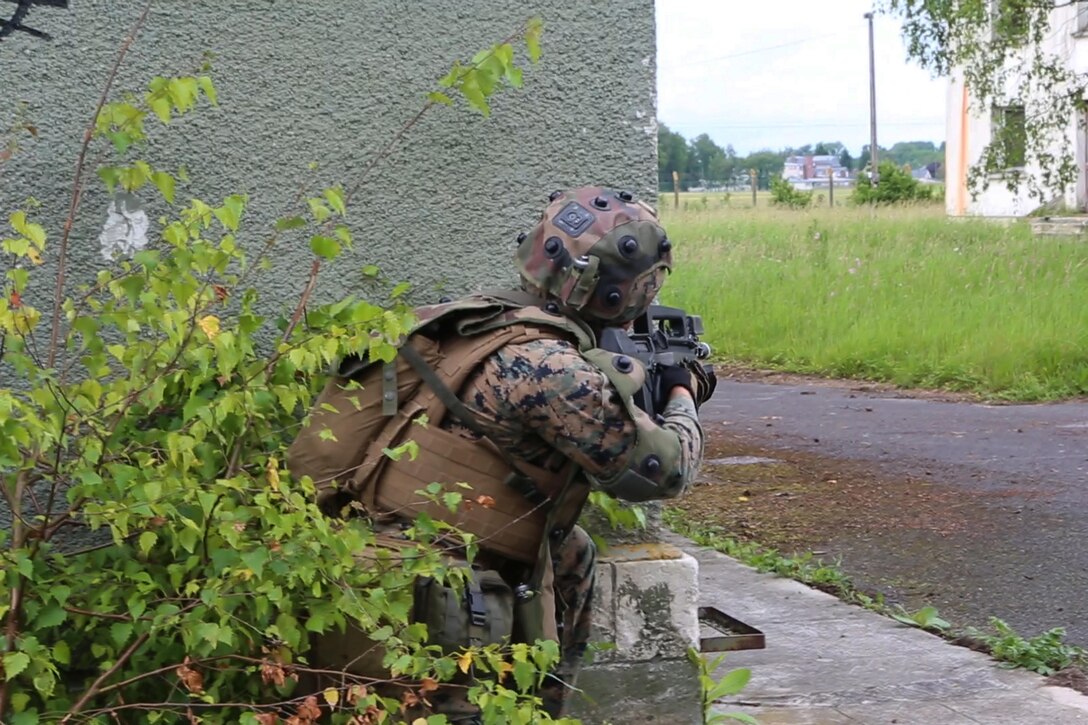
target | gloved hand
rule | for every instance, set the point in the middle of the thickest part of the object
(671, 376)
(705, 381)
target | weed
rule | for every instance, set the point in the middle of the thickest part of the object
(712, 690)
(925, 618)
(1046, 653)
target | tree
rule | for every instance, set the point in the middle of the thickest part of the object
(766, 162)
(672, 155)
(821, 150)
(846, 159)
(704, 156)
(999, 50)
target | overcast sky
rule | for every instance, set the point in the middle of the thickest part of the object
(774, 73)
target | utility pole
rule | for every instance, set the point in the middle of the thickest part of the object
(872, 102)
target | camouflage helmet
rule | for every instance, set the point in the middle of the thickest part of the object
(597, 252)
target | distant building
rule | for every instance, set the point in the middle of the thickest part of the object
(970, 129)
(927, 174)
(812, 170)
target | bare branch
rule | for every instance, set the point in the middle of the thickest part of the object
(77, 187)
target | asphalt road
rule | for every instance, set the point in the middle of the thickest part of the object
(1018, 475)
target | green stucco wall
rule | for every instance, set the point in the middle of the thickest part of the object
(328, 81)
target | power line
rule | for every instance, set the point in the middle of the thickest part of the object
(765, 49)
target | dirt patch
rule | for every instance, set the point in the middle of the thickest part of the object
(803, 501)
(1074, 677)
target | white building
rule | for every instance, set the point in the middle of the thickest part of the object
(969, 129)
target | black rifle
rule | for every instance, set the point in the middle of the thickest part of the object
(660, 337)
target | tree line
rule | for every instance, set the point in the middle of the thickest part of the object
(700, 162)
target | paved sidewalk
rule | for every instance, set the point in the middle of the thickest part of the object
(831, 663)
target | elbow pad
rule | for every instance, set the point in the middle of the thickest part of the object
(652, 470)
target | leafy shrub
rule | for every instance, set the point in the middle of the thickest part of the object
(895, 186)
(784, 194)
(148, 416)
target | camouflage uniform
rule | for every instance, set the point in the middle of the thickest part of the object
(543, 394)
(543, 397)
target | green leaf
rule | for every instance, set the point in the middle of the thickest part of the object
(44, 682)
(18, 221)
(293, 222)
(325, 247)
(188, 539)
(731, 684)
(14, 663)
(230, 213)
(371, 270)
(209, 90)
(121, 140)
(336, 200)
(24, 565)
(437, 97)
(161, 107)
(318, 209)
(343, 234)
(19, 701)
(50, 616)
(111, 175)
(61, 653)
(120, 632)
(532, 38)
(148, 539)
(524, 675)
(255, 560)
(475, 97)
(514, 76)
(165, 183)
(452, 500)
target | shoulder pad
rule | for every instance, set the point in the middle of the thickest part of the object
(653, 467)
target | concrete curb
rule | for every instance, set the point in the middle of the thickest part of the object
(830, 662)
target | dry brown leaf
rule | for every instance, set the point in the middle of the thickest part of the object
(268, 718)
(356, 693)
(428, 684)
(485, 501)
(308, 711)
(408, 699)
(190, 678)
(273, 673)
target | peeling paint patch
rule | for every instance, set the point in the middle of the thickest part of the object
(125, 230)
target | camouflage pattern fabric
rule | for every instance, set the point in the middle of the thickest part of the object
(537, 398)
(599, 253)
(575, 565)
(540, 398)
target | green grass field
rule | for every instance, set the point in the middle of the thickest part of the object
(900, 295)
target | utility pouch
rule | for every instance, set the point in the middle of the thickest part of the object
(482, 613)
